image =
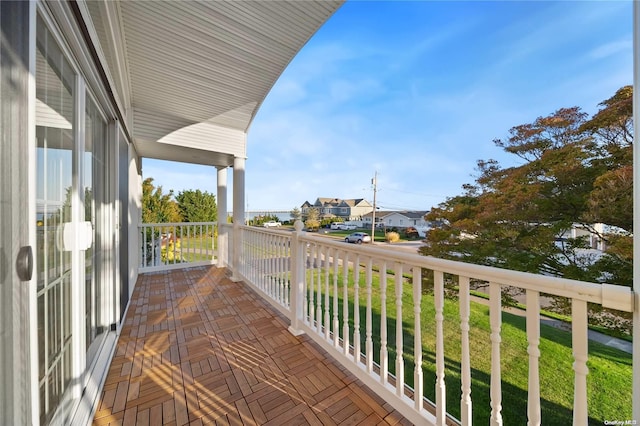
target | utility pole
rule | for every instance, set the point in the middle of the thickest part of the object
(374, 182)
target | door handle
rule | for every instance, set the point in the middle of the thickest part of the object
(24, 263)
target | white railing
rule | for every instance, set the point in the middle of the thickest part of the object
(326, 287)
(176, 245)
(265, 262)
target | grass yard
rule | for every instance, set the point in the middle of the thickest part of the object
(609, 379)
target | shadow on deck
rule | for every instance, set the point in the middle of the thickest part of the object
(197, 348)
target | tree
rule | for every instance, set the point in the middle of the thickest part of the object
(295, 214)
(576, 171)
(158, 207)
(313, 219)
(197, 206)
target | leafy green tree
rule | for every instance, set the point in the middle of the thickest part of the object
(197, 206)
(158, 207)
(576, 170)
(313, 219)
(295, 214)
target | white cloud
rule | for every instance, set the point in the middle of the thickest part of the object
(611, 48)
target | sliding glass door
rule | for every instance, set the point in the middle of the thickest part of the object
(55, 152)
(75, 237)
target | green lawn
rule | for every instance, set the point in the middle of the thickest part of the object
(609, 379)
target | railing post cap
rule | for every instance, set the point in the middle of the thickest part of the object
(298, 225)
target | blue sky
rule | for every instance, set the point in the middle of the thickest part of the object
(417, 91)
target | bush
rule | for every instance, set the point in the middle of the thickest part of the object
(392, 237)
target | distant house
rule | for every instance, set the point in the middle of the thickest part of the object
(593, 234)
(398, 219)
(352, 209)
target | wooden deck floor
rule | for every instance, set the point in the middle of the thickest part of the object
(198, 348)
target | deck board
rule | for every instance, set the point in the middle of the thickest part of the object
(197, 348)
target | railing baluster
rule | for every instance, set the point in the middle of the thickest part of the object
(369, 324)
(280, 269)
(144, 245)
(273, 266)
(533, 338)
(174, 239)
(495, 319)
(287, 259)
(580, 344)
(319, 290)
(190, 251)
(327, 318)
(304, 261)
(418, 383)
(165, 233)
(245, 256)
(153, 246)
(345, 304)
(384, 353)
(273, 273)
(465, 362)
(336, 321)
(257, 253)
(399, 331)
(253, 260)
(181, 244)
(312, 282)
(270, 263)
(261, 250)
(356, 310)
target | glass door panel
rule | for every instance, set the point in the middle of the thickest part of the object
(55, 150)
(95, 203)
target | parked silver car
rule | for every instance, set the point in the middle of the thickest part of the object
(358, 238)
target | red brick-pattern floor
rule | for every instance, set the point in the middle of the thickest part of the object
(198, 348)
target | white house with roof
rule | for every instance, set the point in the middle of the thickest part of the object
(353, 209)
(398, 219)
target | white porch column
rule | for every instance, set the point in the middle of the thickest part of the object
(223, 237)
(636, 212)
(238, 213)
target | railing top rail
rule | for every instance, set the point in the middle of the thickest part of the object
(148, 225)
(608, 295)
(283, 232)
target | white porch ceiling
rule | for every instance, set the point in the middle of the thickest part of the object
(192, 75)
